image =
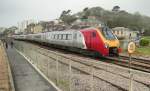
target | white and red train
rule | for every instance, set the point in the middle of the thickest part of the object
(99, 40)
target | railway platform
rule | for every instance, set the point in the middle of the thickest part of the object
(6, 82)
(25, 77)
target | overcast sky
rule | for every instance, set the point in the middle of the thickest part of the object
(13, 11)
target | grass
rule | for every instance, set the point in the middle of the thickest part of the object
(143, 50)
(146, 37)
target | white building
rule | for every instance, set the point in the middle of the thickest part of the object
(23, 25)
(124, 33)
(2, 29)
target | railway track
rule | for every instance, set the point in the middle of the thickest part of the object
(137, 64)
(120, 63)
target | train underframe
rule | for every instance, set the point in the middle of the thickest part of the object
(113, 51)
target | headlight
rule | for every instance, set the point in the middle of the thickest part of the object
(106, 45)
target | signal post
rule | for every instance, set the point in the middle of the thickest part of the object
(131, 49)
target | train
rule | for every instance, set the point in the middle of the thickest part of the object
(99, 41)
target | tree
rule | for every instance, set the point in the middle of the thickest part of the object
(116, 8)
(67, 18)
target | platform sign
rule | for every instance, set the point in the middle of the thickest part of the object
(131, 47)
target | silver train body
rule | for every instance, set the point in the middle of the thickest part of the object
(70, 38)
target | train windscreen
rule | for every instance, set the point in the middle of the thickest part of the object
(108, 33)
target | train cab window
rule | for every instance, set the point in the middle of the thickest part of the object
(107, 33)
(93, 34)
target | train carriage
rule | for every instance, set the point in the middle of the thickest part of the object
(100, 40)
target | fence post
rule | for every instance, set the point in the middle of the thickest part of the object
(47, 68)
(57, 74)
(131, 75)
(37, 62)
(149, 86)
(70, 75)
(92, 78)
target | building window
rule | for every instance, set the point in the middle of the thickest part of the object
(121, 32)
(117, 32)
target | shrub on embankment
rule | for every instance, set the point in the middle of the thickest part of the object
(144, 42)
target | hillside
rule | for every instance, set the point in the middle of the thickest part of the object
(114, 18)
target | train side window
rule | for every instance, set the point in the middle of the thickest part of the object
(75, 36)
(61, 36)
(79, 35)
(93, 34)
(64, 36)
(57, 36)
(54, 36)
(69, 36)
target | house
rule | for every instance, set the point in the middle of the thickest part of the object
(91, 21)
(37, 28)
(124, 33)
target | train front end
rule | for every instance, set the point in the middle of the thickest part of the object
(112, 45)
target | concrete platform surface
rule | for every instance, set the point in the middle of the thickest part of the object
(4, 71)
(26, 78)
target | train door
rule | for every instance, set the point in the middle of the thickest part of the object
(93, 40)
(88, 40)
(75, 44)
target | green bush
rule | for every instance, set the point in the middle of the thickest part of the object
(144, 42)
